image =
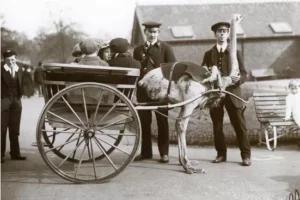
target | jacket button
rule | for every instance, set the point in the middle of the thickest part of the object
(145, 69)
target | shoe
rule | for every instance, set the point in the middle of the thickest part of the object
(142, 157)
(18, 158)
(164, 159)
(246, 162)
(219, 159)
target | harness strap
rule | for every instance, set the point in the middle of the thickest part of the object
(170, 80)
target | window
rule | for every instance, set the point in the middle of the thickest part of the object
(281, 27)
(182, 31)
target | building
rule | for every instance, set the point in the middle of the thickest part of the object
(269, 35)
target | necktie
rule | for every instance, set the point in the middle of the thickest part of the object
(221, 50)
(12, 72)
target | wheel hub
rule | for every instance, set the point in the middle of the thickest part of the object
(89, 133)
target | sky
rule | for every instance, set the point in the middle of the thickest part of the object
(104, 19)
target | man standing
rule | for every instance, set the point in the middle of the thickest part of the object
(219, 56)
(38, 78)
(151, 55)
(11, 106)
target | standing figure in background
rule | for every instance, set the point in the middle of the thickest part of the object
(292, 103)
(11, 105)
(151, 55)
(105, 52)
(38, 78)
(27, 82)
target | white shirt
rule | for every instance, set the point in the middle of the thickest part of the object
(293, 107)
(224, 46)
(15, 69)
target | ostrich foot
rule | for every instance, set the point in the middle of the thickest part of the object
(192, 167)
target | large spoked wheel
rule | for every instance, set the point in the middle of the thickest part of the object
(91, 131)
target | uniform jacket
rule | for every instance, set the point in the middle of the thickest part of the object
(5, 75)
(210, 59)
(160, 52)
(123, 60)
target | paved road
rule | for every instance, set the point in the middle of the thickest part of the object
(272, 175)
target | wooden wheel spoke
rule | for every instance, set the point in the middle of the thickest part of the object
(109, 111)
(71, 153)
(84, 105)
(97, 107)
(57, 132)
(114, 146)
(76, 145)
(66, 141)
(73, 111)
(80, 161)
(122, 134)
(61, 145)
(103, 151)
(89, 152)
(111, 124)
(65, 120)
(94, 163)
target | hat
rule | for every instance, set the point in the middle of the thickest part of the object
(216, 26)
(76, 50)
(9, 53)
(151, 24)
(119, 45)
(88, 46)
(104, 45)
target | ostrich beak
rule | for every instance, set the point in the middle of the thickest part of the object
(141, 83)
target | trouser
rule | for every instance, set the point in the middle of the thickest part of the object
(162, 125)
(237, 120)
(11, 110)
(39, 88)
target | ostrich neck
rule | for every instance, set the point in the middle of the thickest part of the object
(233, 49)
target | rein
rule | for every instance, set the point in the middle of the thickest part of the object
(170, 81)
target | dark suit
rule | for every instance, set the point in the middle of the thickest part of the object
(233, 106)
(152, 57)
(11, 109)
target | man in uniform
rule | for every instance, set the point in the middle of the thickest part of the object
(219, 56)
(151, 55)
(11, 105)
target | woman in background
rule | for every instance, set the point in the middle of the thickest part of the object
(104, 52)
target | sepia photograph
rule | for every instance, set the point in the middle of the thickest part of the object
(150, 99)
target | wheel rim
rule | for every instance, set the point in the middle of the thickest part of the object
(100, 139)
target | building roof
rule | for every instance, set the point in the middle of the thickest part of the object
(256, 22)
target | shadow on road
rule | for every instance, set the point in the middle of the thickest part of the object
(33, 170)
